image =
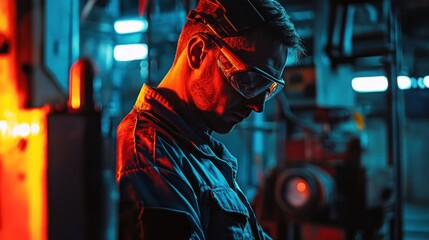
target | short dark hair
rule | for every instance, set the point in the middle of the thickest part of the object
(277, 21)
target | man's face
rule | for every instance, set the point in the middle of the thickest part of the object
(221, 106)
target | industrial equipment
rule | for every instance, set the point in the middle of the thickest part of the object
(322, 189)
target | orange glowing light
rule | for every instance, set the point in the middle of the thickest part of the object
(301, 187)
(23, 160)
(297, 194)
(22, 130)
(8, 96)
(23, 138)
(3, 127)
(36, 176)
(75, 88)
(80, 85)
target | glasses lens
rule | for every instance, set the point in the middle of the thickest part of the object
(251, 84)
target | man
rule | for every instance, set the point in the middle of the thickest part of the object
(175, 180)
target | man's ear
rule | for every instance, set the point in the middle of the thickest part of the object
(197, 50)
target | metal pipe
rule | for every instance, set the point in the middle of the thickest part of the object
(392, 113)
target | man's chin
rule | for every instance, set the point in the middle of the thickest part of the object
(224, 129)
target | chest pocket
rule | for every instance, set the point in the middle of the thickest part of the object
(229, 218)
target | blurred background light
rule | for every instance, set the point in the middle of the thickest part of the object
(298, 192)
(426, 81)
(380, 83)
(3, 126)
(370, 84)
(126, 26)
(22, 130)
(130, 52)
(404, 82)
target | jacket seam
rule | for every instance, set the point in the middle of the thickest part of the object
(134, 140)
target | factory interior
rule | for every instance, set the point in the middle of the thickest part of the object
(339, 154)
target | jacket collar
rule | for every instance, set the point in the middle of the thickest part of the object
(161, 111)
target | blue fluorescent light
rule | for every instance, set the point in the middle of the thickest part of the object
(404, 82)
(130, 26)
(370, 84)
(130, 52)
(426, 81)
(380, 83)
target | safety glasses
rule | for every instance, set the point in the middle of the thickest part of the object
(248, 80)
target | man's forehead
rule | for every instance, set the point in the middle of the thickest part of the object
(265, 47)
(270, 57)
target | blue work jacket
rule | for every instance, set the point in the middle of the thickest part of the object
(175, 181)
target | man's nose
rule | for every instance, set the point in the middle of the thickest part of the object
(257, 103)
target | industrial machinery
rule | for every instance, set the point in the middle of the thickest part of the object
(321, 190)
(323, 187)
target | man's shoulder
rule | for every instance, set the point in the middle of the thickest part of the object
(134, 127)
(140, 137)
